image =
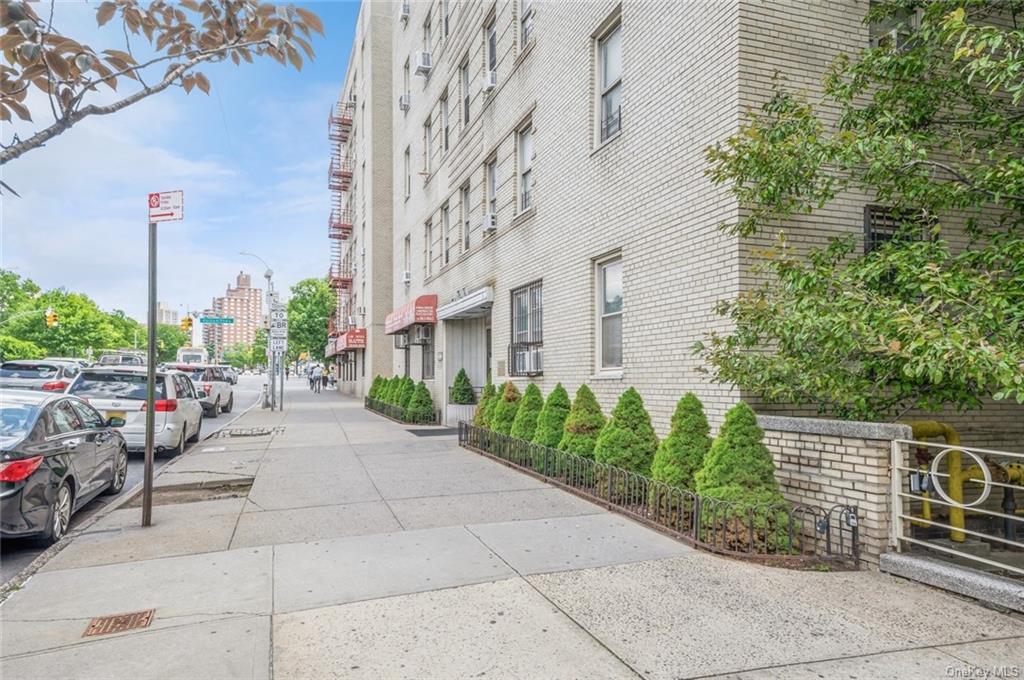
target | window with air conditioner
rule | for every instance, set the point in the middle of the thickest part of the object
(609, 314)
(609, 71)
(423, 63)
(525, 154)
(526, 351)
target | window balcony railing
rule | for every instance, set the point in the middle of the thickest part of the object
(525, 359)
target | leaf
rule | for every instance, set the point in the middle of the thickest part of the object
(188, 82)
(105, 12)
(20, 109)
(202, 83)
(295, 58)
(58, 64)
(4, 113)
(310, 19)
(189, 4)
(123, 56)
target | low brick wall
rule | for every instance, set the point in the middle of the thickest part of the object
(824, 463)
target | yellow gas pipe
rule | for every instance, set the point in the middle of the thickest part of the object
(925, 429)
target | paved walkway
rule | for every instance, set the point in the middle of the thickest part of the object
(363, 550)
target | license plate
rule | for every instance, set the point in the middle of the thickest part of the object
(115, 414)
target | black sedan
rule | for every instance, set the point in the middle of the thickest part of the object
(57, 453)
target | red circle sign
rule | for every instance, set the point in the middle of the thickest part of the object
(154, 200)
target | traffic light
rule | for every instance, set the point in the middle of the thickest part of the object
(186, 324)
(51, 317)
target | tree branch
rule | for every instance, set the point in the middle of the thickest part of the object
(960, 177)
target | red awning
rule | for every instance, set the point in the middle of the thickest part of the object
(353, 338)
(421, 310)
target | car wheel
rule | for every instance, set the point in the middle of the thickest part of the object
(199, 428)
(216, 409)
(231, 404)
(180, 448)
(120, 473)
(60, 515)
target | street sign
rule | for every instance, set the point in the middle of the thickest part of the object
(216, 319)
(278, 345)
(165, 206)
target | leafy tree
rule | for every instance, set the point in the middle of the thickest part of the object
(258, 349)
(236, 355)
(170, 337)
(462, 389)
(486, 399)
(128, 332)
(13, 348)
(15, 294)
(374, 392)
(525, 422)
(627, 440)
(394, 387)
(406, 387)
(492, 406)
(506, 408)
(681, 454)
(551, 420)
(81, 325)
(583, 425)
(183, 36)
(933, 129)
(309, 308)
(421, 405)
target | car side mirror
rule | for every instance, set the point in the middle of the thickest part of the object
(115, 421)
(201, 394)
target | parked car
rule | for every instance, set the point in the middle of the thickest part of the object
(47, 375)
(82, 363)
(230, 373)
(120, 392)
(56, 454)
(220, 397)
(121, 359)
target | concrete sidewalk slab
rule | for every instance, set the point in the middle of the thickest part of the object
(225, 649)
(462, 474)
(918, 663)
(386, 446)
(564, 543)
(302, 525)
(296, 491)
(183, 529)
(496, 630)
(643, 611)
(498, 506)
(344, 570)
(54, 607)
(989, 655)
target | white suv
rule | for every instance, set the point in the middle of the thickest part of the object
(120, 391)
(220, 397)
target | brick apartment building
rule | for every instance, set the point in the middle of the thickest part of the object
(244, 304)
(551, 220)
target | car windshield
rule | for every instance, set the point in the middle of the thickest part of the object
(18, 370)
(16, 420)
(115, 386)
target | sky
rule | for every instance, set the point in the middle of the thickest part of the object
(251, 158)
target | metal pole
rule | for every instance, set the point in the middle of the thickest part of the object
(272, 356)
(282, 362)
(147, 478)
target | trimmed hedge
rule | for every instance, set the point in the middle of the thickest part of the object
(551, 421)
(628, 441)
(505, 409)
(405, 389)
(681, 454)
(583, 425)
(421, 405)
(525, 422)
(486, 398)
(462, 389)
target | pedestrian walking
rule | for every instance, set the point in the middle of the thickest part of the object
(287, 372)
(317, 376)
(309, 376)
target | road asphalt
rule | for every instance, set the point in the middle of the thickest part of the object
(331, 542)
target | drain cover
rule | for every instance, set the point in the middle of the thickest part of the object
(250, 432)
(117, 623)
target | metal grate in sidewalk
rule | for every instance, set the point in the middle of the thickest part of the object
(118, 623)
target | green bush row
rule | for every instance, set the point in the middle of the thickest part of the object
(412, 398)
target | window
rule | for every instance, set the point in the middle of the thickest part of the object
(464, 196)
(444, 117)
(405, 78)
(428, 130)
(896, 30)
(525, 22)
(883, 224)
(428, 360)
(445, 14)
(526, 352)
(526, 168)
(491, 177)
(609, 313)
(88, 415)
(491, 43)
(446, 227)
(464, 77)
(407, 253)
(426, 34)
(65, 418)
(428, 238)
(408, 176)
(609, 68)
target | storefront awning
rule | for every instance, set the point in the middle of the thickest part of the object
(469, 306)
(421, 310)
(353, 338)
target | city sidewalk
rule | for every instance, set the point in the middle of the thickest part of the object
(339, 544)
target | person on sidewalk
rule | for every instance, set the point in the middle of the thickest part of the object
(317, 376)
(309, 376)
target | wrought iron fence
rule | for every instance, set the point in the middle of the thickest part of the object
(788, 535)
(400, 414)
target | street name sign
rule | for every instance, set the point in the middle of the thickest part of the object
(166, 206)
(216, 319)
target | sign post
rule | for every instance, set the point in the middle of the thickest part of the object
(277, 342)
(163, 207)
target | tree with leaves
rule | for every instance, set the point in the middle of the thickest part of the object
(681, 454)
(525, 422)
(462, 389)
(627, 440)
(583, 424)
(309, 308)
(182, 37)
(421, 405)
(551, 420)
(486, 397)
(931, 126)
(505, 409)
(170, 337)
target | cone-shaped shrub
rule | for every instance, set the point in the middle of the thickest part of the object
(486, 398)
(681, 454)
(462, 389)
(405, 389)
(375, 387)
(421, 405)
(551, 421)
(492, 406)
(392, 390)
(584, 423)
(505, 410)
(525, 422)
(628, 441)
(739, 472)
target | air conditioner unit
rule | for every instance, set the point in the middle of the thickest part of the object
(352, 98)
(404, 12)
(490, 81)
(361, 311)
(351, 321)
(401, 340)
(404, 101)
(407, 277)
(489, 223)
(423, 63)
(421, 335)
(534, 360)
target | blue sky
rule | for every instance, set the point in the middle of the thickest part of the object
(251, 158)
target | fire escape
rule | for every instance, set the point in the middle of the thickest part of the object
(339, 223)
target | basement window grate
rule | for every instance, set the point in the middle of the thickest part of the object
(118, 623)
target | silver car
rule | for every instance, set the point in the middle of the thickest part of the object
(120, 392)
(43, 374)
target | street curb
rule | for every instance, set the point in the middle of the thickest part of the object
(15, 583)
